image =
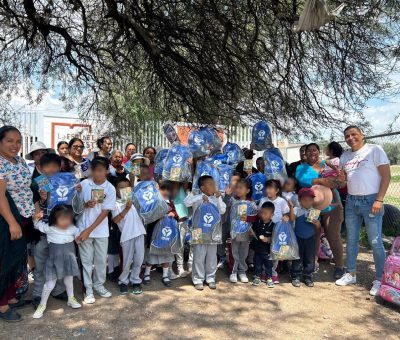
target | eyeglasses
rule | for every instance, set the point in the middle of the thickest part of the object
(76, 147)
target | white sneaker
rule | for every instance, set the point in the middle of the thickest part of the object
(243, 278)
(233, 278)
(89, 299)
(376, 286)
(346, 279)
(103, 292)
(73, 303)
(39, 312)
(172, 275)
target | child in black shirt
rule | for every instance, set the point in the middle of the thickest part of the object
(262, 232)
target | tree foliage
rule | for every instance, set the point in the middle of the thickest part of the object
(208, 61)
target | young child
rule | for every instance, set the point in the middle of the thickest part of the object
(99, 197)
(134, 167)
(273, 195)
(50, 165)
(333, 152)
(240, 243)
(205, 255)
(132, 240)
(305, 234)
(289, 191)
(164, 260)
(61, 262)
(261, 244)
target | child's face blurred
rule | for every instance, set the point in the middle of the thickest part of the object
(174, 189)
(121, 185)
(271, 191)
(36, 155)
(241, 191)
(165, 193)
(137, 161)
(328, 152)
(234, 181)
(306, 202)
(64, 221)
(265, 214)
(289, 185)
(50, 169)
(99, 174)
(144, 174)
(208, 188)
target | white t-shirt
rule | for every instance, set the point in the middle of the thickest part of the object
(361, 167)
(131, 225)
(57, 235)
(281, 207)
(89, 215)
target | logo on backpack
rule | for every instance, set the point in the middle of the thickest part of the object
(231, 155)
(226, 176)
(198, 140)
(259, 186)
(148, 196)
(217, 162)
(166, 233)
(275, 166)
(282, 238)
(62, 193)
(208, 218)
(177, 159)
(261, 133)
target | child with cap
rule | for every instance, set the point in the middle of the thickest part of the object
(305, 230)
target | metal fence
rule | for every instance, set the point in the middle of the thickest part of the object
(390, 142)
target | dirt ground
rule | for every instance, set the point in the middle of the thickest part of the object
(232, 311)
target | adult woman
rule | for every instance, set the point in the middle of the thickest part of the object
(150, 153)
(367, 169)
(105, 145)
(75, 148)
(130, 149)
(116, 167)
(307, 175)
(16, 205)
(62, 148)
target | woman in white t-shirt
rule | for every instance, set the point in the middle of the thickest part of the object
(368, 176)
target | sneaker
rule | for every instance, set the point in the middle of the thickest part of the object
(270, 283)
(275, 279)
(296, 283)
(10, 315)
(172, 275)
(376, 286)
(39, 311)
(346, 279)
(263, 277)
(308, 282)
(73, 303)
(89, 299)
(233, 278)
(103, 292)
(221, 265)
(256, 281)
(137, 289)
(212, 285)
(123, 289)
(199, 286)
(243, 278)
(338, 273)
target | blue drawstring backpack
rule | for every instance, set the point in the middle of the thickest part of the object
(225, 176)
(64, 189)
(274, 165)
(166, 237)
(170, 133)
(234, 153)
(261, 136)
(214, 140)
(204, 168)
(257, 181)
(177, 164)
(240, 229)
(284, 243)
(149, 202)
(159, 163)
(206, 225)
(218, 159)
(199, 143)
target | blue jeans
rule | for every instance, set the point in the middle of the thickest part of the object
(358, 209)
(261, 259)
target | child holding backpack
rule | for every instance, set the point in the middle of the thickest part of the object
(205, 246)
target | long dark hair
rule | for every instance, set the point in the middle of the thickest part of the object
(5, 129)
(101, 140)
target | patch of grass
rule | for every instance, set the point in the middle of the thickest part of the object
(395, 179)
(393, 200)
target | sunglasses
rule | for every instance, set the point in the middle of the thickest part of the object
(76, 147)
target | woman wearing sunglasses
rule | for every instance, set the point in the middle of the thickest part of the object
(75, 148)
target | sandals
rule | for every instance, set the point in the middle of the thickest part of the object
(166, 281)
(146, 280)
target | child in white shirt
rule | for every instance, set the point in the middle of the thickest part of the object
(132, 239)
(289, 191)
(99, 197)
(205, 255)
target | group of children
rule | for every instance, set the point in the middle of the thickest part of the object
(84, 230)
